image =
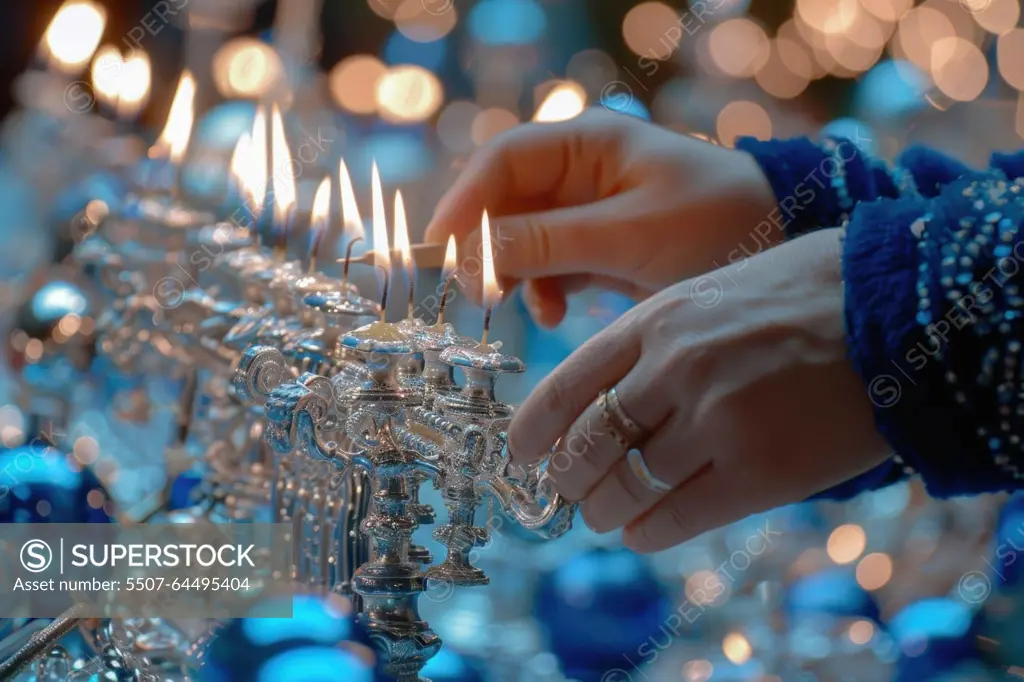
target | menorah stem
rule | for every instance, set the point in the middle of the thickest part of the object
(390, 584)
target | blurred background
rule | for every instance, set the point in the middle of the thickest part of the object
(891, 585)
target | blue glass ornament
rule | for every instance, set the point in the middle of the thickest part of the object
(41, 484)
(832, 592)
(932, 636)
(598, 608)
(320, 642)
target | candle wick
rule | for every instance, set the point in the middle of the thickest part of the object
(384, 295)
(444, 298)
(412, 296)
(487, 326)
(348, 262)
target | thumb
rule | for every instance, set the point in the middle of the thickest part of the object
(583, 239)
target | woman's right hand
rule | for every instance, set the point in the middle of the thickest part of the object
(606, 200)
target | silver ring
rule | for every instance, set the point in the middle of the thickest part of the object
(635, 459)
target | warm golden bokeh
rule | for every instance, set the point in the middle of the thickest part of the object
(408, 94)
(353, 83)
(742, 118)
(651, 29)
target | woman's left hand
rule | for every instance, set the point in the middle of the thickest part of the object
(741, 388)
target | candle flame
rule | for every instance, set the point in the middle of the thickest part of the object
(566, 100)
(74, 34)
(492, 294)
(135, 84)
(175, 136)
(240, 163)
(320, 219)
(106, 73)
(380, 227)
(451, 258)
(402, 245)
(353, 224)
(255, 175)
(284, 181)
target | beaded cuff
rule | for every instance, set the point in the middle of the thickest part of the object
(934, 322)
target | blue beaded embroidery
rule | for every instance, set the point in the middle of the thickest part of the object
(974, 268)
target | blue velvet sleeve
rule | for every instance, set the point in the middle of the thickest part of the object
(931, 373)
(935, 323)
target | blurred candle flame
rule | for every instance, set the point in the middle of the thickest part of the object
(175, 136)
(106, 73)
(284, 182)
(451, 258)
(255, 171)
(134, 85)
(492, 294)
(352, 222)
(380, 228)
(404, 249)
(240, 163)
(74, 34)
(566, 100)
(402, 235)
(319, 220)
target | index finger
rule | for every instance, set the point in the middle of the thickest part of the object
(562, 396)
(517, 166)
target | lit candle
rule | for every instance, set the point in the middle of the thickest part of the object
(319, 220)
(351, 221)
(381, 250)
(447, 274)
(173, 141)
(256, 169)
(404, 249)
(73, 36)
(284, 185)
(492, 294)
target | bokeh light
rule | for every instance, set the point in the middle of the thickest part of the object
(353, 83)
(887, 10)
(828, 16)
(959, 69)
(874, 571)
(739, 47)
(106, 72)
(918, 31)
(998, 16)
(777, 78)
(418, 22)
(74, 34)
(736, 648)
(247, 68)
(408, 94)
(846, 543)
(743, 118)
(652, 29)
(861, 631)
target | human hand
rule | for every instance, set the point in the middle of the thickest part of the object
(747, 404)
(603, 200)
